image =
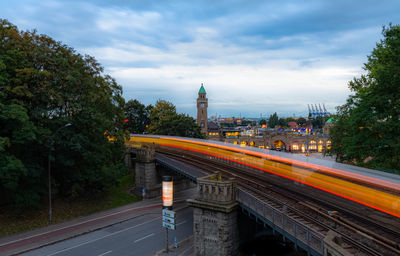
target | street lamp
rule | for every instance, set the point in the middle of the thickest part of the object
(49, 168)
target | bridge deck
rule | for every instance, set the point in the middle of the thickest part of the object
(186, 170)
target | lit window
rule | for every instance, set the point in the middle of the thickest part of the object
(295, 147)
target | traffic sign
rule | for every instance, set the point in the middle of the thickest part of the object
(169, 226)
(168, 213)
(168, 220)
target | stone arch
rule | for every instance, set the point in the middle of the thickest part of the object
(252, 144)
(279, 145)
(284, 140)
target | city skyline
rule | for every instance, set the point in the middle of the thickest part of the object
(253, 58)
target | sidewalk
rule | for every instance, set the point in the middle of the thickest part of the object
(185, 248)
(22, 242)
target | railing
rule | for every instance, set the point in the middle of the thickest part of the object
(277, 219)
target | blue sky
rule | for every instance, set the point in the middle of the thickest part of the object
(254, 57)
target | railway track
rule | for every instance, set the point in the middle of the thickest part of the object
(358, 239)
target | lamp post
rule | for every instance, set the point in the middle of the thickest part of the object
(49, 169)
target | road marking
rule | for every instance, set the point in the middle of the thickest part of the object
(140, 239)
(94, 240)
(77, 224)
(183, 222)
(104, 253)
(178, 200)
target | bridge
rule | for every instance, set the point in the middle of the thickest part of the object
(311, 203)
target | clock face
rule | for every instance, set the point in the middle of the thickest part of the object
(202, 105)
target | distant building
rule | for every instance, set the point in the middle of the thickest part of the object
(213, 130)
(202, 104)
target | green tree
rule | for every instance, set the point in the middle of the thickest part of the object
(165, 121)
(318, 122)
(282, 122)
(273, 120)
(45, 85)
(301, 121)
(263, 121)
(367, 126)
(137, 115)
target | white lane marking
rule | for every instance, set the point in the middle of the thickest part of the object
(185, 251)
(183, 222)
(140, 239)
(77, 224)
(86, 221)
(94, 240)
(104, 253)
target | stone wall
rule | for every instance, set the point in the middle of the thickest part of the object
(215, 217)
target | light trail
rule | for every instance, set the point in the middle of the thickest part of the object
(374, 198)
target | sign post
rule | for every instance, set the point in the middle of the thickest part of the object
(168, 216)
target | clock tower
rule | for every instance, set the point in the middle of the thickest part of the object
(202, 104)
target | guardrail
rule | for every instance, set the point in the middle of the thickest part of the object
(301, 235)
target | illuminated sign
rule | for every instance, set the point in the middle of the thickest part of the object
(167, 191)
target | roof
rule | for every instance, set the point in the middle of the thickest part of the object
(212, 125)
(292, 124)
(202, 90)
(329, 121)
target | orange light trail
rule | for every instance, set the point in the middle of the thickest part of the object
(336, 172)
(380, 200)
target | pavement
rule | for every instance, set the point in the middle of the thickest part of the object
(37, 238)
(183, 248)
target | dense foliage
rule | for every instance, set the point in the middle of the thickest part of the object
(367, 127)
(166, 121)
(137, 116)
(54, 99)
(273, 120)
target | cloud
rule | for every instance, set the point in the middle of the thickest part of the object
(254, 57)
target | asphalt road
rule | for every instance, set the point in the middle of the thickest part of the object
(143, 235)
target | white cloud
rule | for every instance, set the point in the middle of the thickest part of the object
(117, 20)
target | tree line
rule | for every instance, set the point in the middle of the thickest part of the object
(161, 118)
(55, 106)
(367, 126)
(58, 108)
(274, 121)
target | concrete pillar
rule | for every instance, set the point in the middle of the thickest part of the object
(215, 217)
(145, 172)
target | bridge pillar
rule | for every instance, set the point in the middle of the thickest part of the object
(145, 173)
(215, 217)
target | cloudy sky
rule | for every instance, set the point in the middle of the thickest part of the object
(254, 57)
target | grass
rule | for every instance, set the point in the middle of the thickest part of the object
(63, 210)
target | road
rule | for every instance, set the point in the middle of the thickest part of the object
(143, 235)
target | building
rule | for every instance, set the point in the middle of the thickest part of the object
(202, 104)
(328, 125)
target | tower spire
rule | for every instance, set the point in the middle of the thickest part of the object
(202, 104)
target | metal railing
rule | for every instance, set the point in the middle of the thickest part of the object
(302, 235)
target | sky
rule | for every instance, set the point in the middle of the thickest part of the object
(253, 57)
